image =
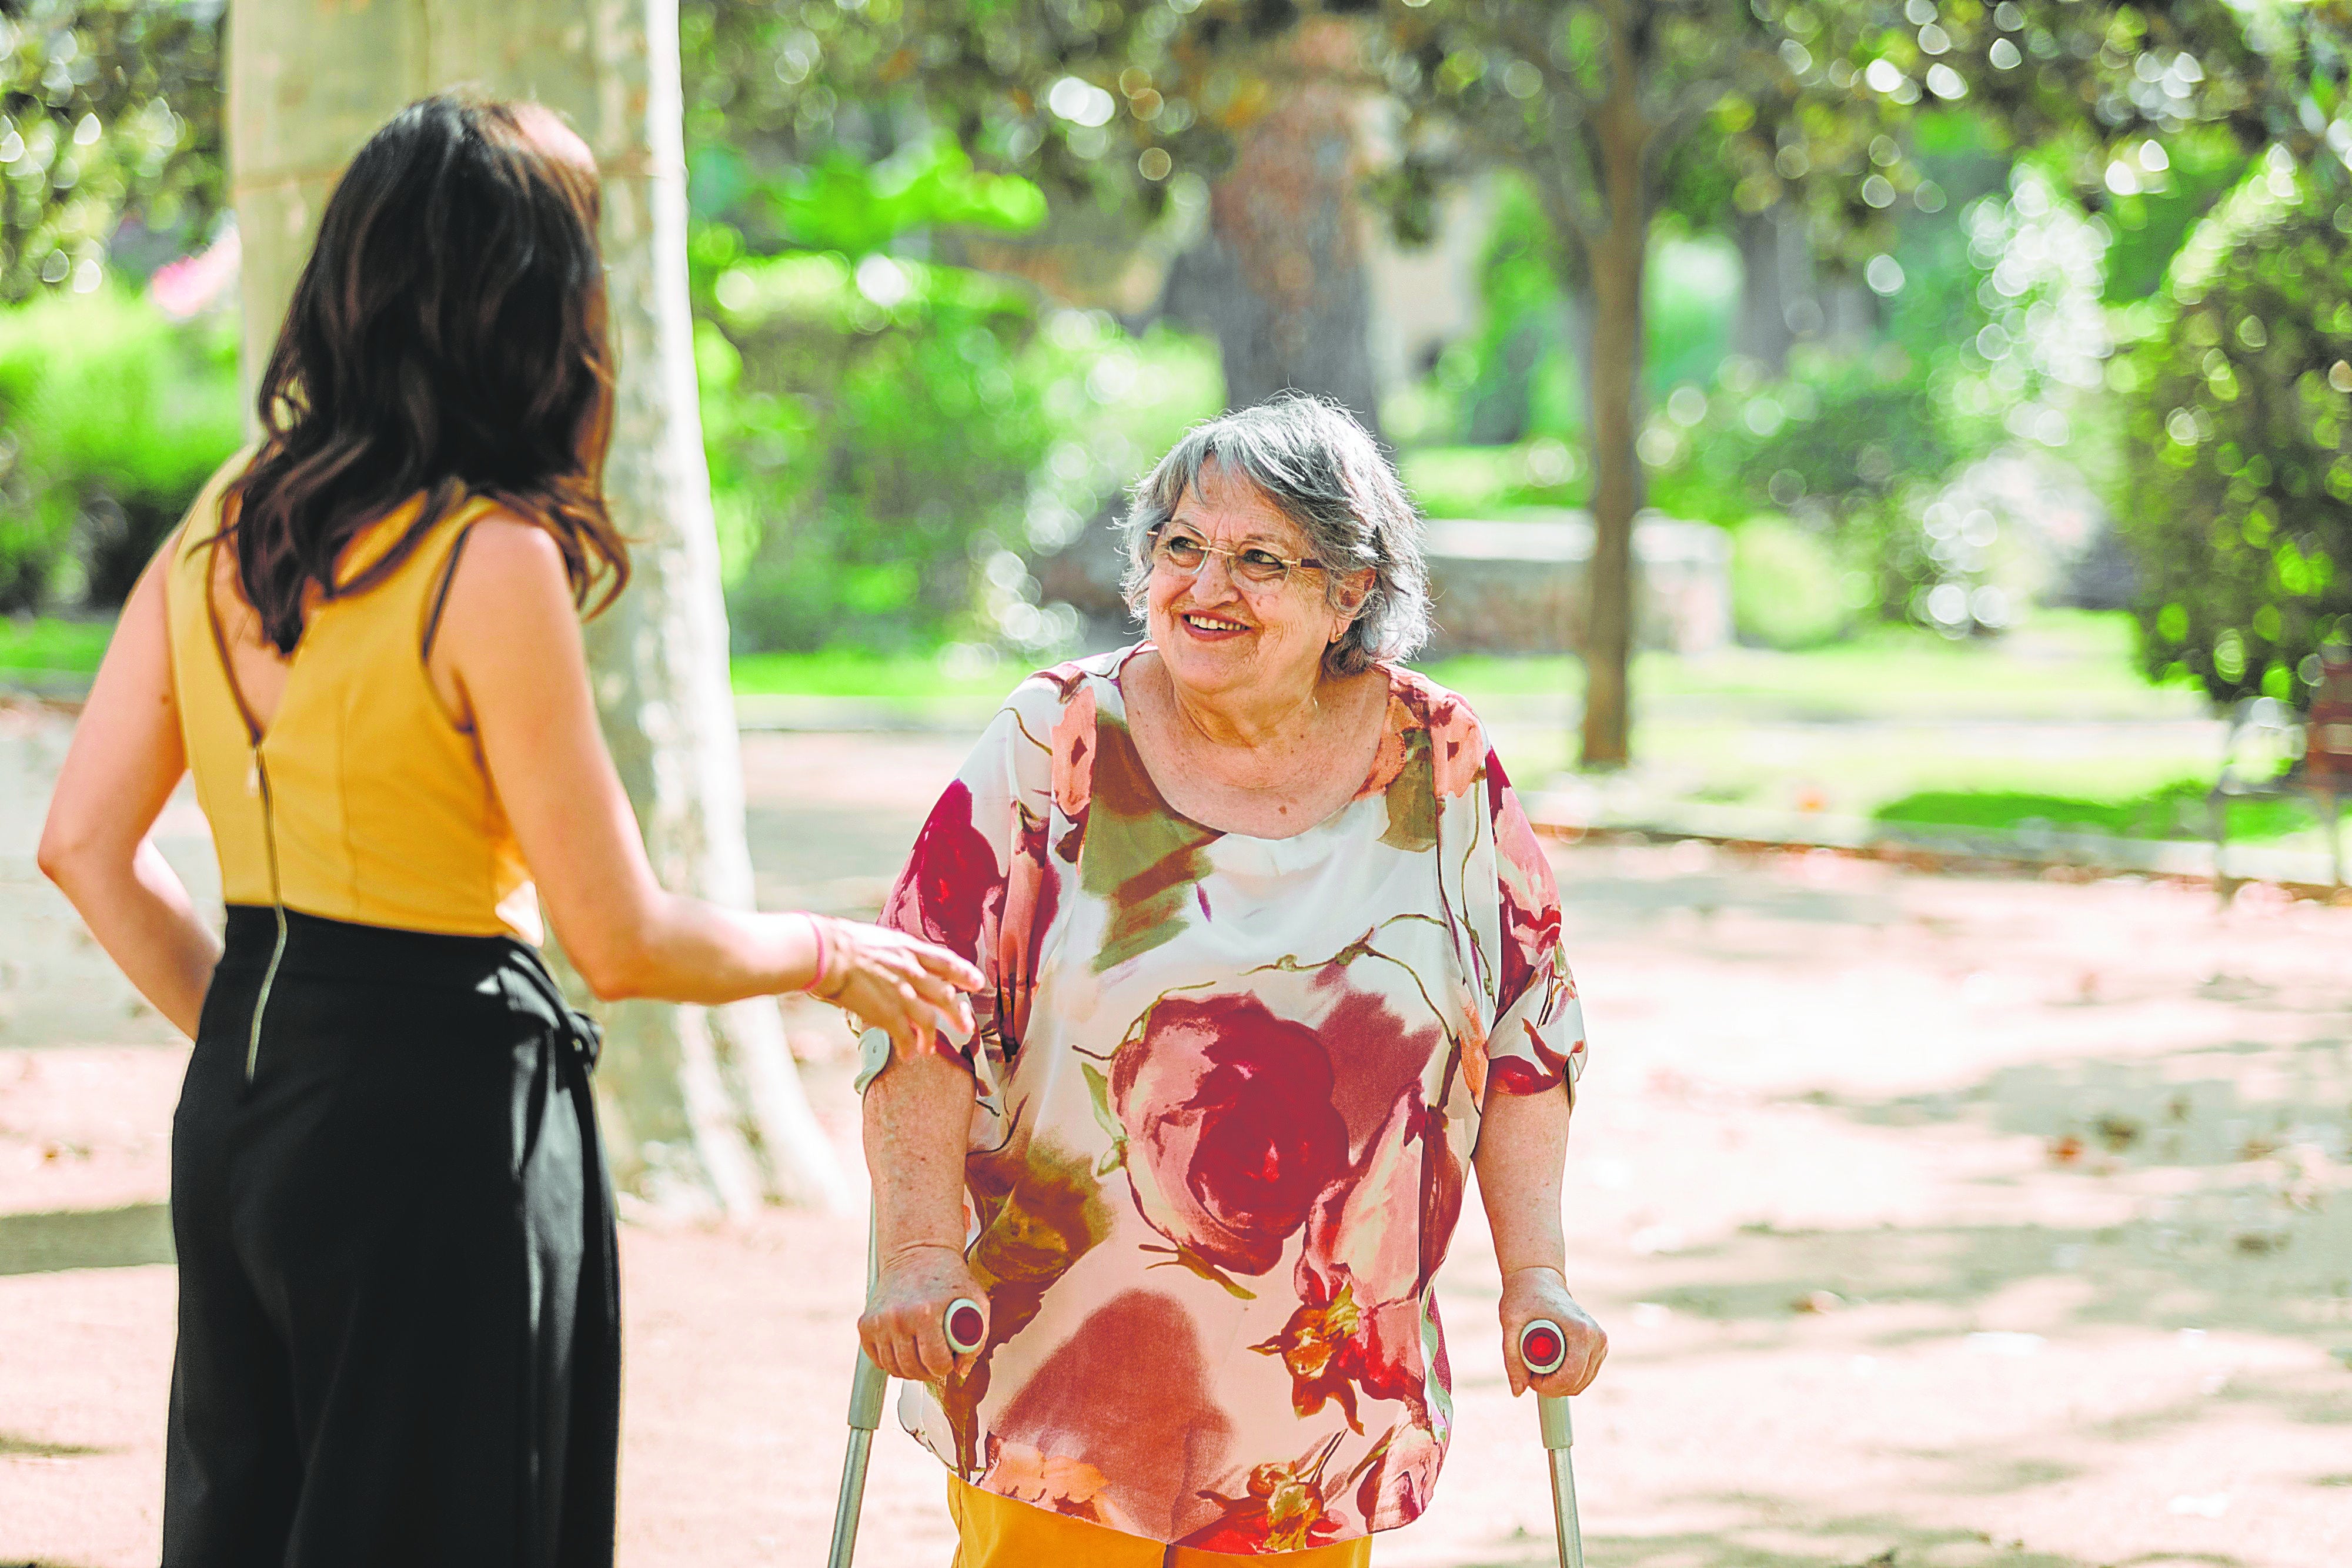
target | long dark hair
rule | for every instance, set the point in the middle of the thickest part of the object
(448, 337)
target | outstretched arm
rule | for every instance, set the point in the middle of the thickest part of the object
(126, 759)
(511, 637)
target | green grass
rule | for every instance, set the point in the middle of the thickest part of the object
(52, 645)
(2174, 810)
(905, 678)
(2065, 663)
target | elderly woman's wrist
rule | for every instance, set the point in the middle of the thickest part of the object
(1556, 1270)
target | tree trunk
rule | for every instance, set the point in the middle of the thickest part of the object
(704, 1106)
(1279, 277)
(1768, 289)
(1612, 369)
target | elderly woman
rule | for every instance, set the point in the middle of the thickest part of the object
(1272, 953)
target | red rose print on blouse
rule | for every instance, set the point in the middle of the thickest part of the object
(1338, 1343)
(1230, 1135)
(1456, 747)
(1518, 1075)
(951, 878)
(1281, 1508)
(1032, 892)
(1530, 897)
(1397, 1486)
(1360, 1274)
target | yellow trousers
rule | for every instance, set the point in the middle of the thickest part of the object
(994, 1531)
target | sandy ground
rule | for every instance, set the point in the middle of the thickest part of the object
(1937, 1222)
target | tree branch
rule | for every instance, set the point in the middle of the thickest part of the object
(1526, 37)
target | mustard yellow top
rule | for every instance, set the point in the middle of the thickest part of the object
(373, 797)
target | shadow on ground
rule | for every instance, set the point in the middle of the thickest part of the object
(85, 1238)
(2229, 1159)
(15, 1445)
(1864, 1542)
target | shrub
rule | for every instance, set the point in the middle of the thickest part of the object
(1787, 590)
(2238, 503)
(111, 418)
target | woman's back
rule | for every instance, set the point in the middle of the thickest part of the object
(358, 794)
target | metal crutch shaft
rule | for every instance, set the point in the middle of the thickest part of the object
(1543, 1350)
(966, 1327)
(866, 1386)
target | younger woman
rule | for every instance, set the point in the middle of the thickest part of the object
(398, 1335)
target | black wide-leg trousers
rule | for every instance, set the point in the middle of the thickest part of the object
(399, 1332)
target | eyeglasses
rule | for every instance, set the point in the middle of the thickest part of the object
(1185, 554)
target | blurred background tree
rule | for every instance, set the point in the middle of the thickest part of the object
(110, 146)
(1884, 290)
(2239, 497)
(110, 135)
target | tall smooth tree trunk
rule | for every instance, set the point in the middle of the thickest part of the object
(1279, 277)
(1617, 258)
(704, 1106)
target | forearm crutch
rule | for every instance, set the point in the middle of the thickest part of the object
(965, 1326)
(1543, 1350)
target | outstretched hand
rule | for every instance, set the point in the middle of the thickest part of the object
(1532, 1293)
(905, 987)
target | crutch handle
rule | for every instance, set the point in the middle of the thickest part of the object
(966, 1325)
(1543, 1347)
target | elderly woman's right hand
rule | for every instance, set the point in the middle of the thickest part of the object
(901, 985)
(903, 1327)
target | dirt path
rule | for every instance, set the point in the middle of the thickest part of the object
(1973, 1222)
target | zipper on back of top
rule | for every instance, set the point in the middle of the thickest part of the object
(278, 905)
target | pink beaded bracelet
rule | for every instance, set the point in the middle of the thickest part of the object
(816, 982)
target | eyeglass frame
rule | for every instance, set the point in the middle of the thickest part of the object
(1233, 558)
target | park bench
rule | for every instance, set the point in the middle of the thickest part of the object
(2323, 773)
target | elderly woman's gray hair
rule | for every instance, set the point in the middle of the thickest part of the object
(1321, 469)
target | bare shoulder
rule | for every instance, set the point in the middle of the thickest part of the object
(509, 552)
(509, 603)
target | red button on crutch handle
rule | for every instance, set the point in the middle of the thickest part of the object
(966, 1325)
(1543, 1347)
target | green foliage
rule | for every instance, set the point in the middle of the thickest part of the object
(106, 106)
(1851, 442)
(1786, 590)
(2238, 499)
(2204, 163)
(888, 440)
(1516, 377)
(783, 84)
(847, 202)
(1539, 476)
(111, 418)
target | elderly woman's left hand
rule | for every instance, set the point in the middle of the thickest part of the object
(1540, 1292)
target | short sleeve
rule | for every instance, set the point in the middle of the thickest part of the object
(1537, 1042)
(981, 881)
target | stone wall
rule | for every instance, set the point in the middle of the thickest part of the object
(1517, 586)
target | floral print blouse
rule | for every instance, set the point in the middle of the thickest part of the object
(1227, 1090)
